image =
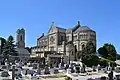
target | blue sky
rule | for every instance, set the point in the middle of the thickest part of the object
(36, 16)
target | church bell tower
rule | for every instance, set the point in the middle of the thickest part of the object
(20, 38)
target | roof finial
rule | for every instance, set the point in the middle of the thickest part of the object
(53, 24)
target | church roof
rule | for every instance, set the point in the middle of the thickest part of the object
(59, 28)
(55, 26)
(41, 36)
(44, 37)
(74, 28)
(84, 28)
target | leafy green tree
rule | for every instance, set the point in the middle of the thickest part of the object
(89, 48)
(103, 52)
(108, 51)
(9, 48)
(90, 60)
(89, 56)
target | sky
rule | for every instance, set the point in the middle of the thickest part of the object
(36, 17)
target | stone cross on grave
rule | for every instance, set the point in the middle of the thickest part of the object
(13, 72)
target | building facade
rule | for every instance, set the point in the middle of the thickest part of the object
(65, 41)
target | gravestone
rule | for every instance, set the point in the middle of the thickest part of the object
(110, 75)
(56, 71)
(83, 68)
(78, 69)
(20, 64)
(39, 71)
(103, 78)
(46, 70)
(66, 67)
(26, 71)
(13, 72)
(35, 66)
(72, 69)
(98, 67)
(105, 70)
(117, 77)
(4, 67)
(56, 65)
(68, 71)
(19, 70)
(94, 69)
(117, 69)
(19, 76)
(60, 67)
(62, 64)
(2, 63)
(25, 63)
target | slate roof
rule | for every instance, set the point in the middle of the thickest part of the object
(84, 28)
(42, 37)
(59, 28)
(73, 29)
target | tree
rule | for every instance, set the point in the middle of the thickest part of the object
(118, 57)
(90, 60)
(87, 49)
(108, 51)
(9, 48)
(3, 42)
(89, 56)
(103, 52)
(90, 48)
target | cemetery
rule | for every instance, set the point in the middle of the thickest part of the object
(76, 70)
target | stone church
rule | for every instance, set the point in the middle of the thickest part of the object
(60, 42)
